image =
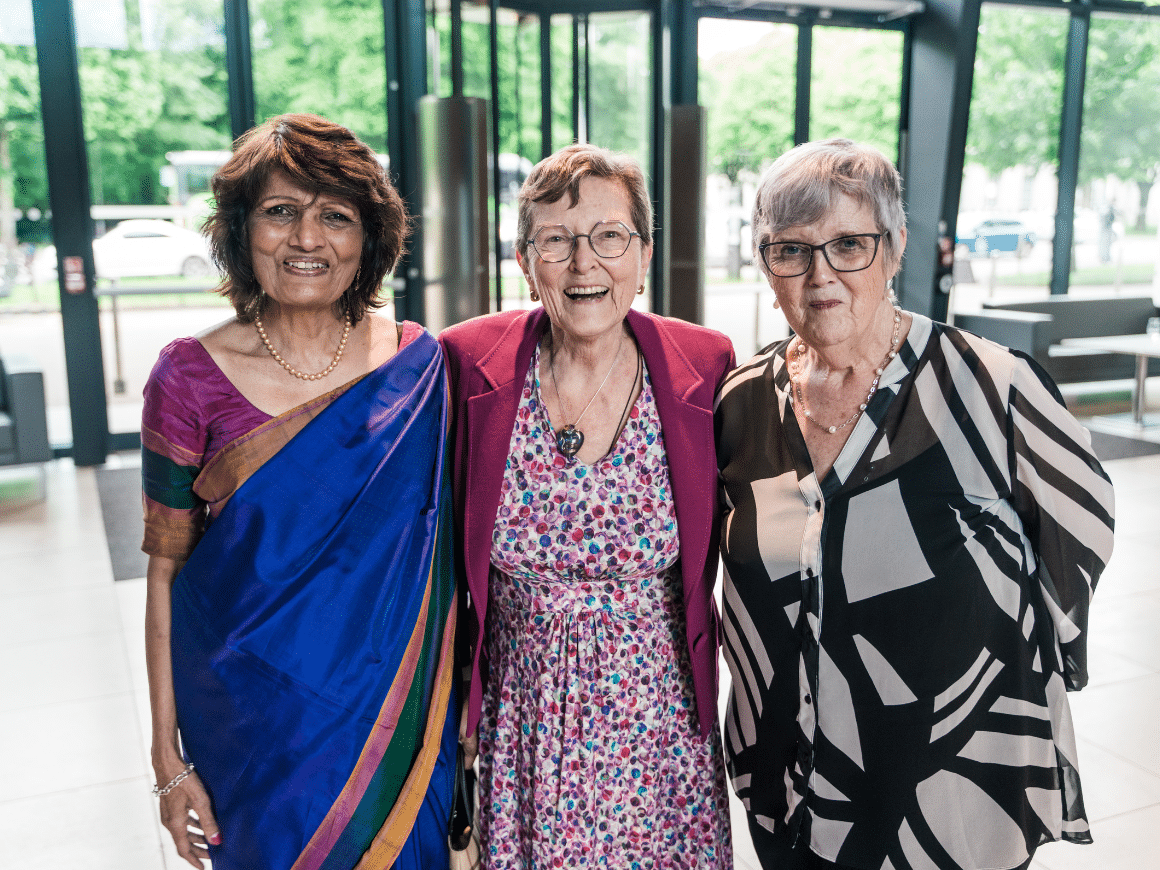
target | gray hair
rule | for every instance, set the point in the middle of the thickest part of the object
(799, 188)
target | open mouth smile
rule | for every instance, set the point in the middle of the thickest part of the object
(584, 293)
(306, 265)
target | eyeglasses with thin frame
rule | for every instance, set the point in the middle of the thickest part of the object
(844, 254)
(609, 240)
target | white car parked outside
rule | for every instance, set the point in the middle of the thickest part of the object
(140, 248)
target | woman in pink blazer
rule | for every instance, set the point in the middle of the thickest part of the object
(586, 500)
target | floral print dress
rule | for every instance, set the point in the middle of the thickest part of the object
(590, 751)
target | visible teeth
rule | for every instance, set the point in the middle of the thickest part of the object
(302, 264)
(586, 291)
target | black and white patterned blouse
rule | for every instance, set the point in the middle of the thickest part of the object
(902, 634)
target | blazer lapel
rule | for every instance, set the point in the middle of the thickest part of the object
(688, 434)
(491, 413)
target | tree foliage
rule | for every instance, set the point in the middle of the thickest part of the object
(167, 90)
(324, 57)
(750, 95)
(1018, 88)
(1018, 94)
(855, 89)
(1121, 132)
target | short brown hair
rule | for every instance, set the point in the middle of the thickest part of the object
(562, 172)
(322, 157)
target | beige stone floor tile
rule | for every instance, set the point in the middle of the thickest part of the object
(1112, 785)
(73, 744)
(103, 827)
(64, 669)
(1125, 842)
(59, 613)
(1121, 719)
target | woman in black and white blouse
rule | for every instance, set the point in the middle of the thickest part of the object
(914, 527)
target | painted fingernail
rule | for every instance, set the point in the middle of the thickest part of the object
(215, 839)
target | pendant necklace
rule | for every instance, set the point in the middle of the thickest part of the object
(796, 380)
(570, 439)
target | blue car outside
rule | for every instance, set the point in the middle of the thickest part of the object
(998, 235)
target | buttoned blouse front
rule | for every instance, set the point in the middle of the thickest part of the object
(902, 633)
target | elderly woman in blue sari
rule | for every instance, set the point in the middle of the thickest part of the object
(300, 612)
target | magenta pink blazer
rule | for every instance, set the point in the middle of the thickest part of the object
(487, 361)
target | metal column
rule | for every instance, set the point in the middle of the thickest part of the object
(72, 227)
(453, 135)
(406, 60)
(941, 74)
(1069, 140)
(805, 63)
(240, 77)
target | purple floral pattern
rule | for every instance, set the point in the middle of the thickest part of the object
(590, 751)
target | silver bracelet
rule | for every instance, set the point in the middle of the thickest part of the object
(160, 791)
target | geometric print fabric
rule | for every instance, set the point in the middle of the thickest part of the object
(902, 633)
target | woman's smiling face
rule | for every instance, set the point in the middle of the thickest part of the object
(586, 295)
(305, 246)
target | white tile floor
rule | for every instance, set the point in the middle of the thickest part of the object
(74, 773)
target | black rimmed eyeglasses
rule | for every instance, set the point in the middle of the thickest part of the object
(609, 239)
(844, 254)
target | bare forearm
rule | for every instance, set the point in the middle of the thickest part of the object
(166, 744)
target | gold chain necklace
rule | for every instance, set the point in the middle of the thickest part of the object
(302, 375)
(796, 381)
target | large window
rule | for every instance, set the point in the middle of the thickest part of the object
(1116, 212)
(857, 98)
(324, 57)
(747, 82)
(1007, 207)
(153, 92)
(29, 298)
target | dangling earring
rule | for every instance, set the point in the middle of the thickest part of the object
(891, 297)
(354, 284)
(640, 290)
(776, 303)
(254, 306)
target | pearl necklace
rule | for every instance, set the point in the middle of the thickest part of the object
(795, 379)
(302, 375)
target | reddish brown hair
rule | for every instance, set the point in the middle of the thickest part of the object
(561, 174)
(318, 156)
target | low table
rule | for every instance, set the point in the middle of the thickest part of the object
(1143, 347)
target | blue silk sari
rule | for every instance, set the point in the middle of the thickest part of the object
(312, 638)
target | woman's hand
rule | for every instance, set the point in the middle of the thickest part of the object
(188, 796)
(187, 816)
(469, 742)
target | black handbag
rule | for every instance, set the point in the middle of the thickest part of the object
(462, 826)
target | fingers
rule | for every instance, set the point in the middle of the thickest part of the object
(469, 742)
(470, 748)
(186, 814)
(201, 807)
